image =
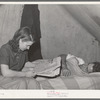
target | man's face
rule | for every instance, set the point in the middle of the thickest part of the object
(25, 45)
(90, 68)
(84, 67)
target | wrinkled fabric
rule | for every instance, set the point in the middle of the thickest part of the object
(18, 83)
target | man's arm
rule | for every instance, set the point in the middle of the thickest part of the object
(64, 69)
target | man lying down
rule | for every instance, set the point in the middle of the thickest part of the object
(77, 63)
(63, 65)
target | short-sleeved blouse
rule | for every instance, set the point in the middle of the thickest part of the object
(15, 61)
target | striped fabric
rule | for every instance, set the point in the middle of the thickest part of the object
(78, 80)
(74, 83)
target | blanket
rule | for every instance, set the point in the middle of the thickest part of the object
(11, 83)
(45, 67)
(77, 80)
(72, 82)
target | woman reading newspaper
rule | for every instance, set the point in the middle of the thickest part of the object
(13, 58)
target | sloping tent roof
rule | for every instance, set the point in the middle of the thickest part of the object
(84, 19)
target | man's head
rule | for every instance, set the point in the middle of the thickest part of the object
(94, 67)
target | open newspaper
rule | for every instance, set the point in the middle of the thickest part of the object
(47, 67)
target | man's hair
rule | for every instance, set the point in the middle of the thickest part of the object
(96, 66)
(23, 33)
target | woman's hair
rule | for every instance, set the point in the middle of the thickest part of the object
(96, 66)
(23, 33)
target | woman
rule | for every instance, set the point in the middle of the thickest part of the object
(13, 58)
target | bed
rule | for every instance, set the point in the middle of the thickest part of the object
(76, 81)
(71, 82)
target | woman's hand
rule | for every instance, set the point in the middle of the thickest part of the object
(29, 64)
(30, 74)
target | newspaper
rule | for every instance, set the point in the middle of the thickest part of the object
(47, 67)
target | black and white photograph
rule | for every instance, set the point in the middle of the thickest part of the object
(50, 47)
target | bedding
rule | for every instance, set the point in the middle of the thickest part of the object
(45, 67)
(77, 80)
(18, 83)
(71, 82)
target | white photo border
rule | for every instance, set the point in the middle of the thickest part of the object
(43, 94)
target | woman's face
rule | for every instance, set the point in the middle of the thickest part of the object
(24, 45)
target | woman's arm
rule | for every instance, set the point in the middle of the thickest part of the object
(6, 72)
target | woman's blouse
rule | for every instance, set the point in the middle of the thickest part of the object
(15, 60)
